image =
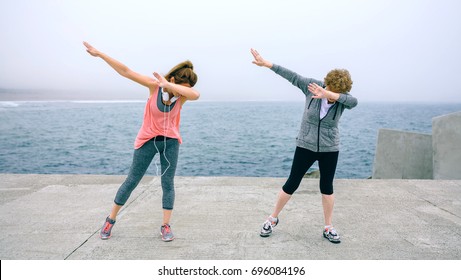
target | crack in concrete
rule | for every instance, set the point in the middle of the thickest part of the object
(433, 204)
(120, 213)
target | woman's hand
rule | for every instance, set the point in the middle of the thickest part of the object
(91, 50)
(320, 92)
(259, 60)
(317, 91)
(184, 90)
(162, 82)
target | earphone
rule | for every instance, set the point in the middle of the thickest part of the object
(166, 97)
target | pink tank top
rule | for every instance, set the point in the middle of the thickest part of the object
(159, 119)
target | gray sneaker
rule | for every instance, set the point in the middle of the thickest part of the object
(331, 235)
(167, 234)
(107, 229)
(268, 225)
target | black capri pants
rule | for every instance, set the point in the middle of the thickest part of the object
(303, 160)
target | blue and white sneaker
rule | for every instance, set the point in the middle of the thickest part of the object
(331, 234)
(268, 225)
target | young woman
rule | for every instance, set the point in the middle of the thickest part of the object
(159, 133)
(318, 138)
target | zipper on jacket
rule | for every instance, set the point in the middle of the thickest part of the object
(318, 137)
(318, 129)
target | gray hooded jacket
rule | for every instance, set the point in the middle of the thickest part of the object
(317, 135)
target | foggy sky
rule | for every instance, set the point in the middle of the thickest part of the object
(396, 51)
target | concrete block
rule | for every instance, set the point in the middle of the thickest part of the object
(446, 144)
(403, 155)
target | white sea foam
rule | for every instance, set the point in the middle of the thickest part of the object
(12, 104)
(108, 101)
(8, 104)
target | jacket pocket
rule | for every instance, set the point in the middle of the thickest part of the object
(307, 135)
(329, 137)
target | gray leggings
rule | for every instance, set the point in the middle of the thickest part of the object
(142, 158)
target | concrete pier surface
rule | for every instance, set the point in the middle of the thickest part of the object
(218, 218)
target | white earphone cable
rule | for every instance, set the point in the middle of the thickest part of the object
(165, 129)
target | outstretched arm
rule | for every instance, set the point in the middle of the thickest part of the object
(293, 77)
(121, 68)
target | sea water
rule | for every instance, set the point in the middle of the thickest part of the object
(219, 138)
